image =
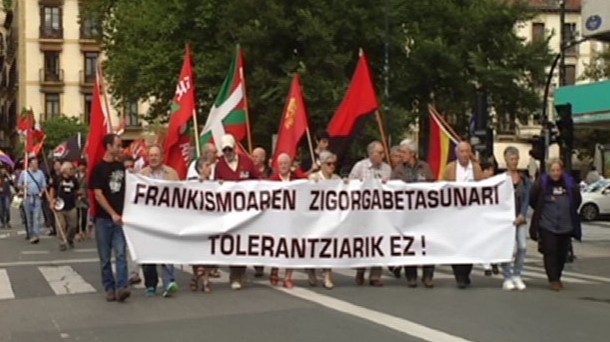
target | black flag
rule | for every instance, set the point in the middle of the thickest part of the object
(69, 150)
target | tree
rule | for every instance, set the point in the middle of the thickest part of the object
(440, 51)
(599, 67)
(58, 129)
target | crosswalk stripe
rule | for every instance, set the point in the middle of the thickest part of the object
(64, 280)
(575, 274)
(6, 289)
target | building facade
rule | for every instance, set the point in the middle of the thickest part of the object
(8, 80)
(57, 54)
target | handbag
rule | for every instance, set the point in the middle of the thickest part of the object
(17, 202)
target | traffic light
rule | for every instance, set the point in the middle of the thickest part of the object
(565, 124)
(537, 151)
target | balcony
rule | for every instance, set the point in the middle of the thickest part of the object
(88, 32)
(51, 80)
(87, 79)
(48, 32)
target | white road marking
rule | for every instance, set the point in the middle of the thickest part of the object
(395, 323)
(575, 274)
(85, 250)
(64, 280)
(35, 252)
(6, 289)
(4, 236)
(48, 262)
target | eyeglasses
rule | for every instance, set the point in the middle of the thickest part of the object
(330, 163)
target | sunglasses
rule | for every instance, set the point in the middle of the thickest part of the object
(330, 163)
(227, 149)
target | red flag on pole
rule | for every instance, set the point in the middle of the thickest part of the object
(294, 122)
(99, 126)
(178, 139)
(359, 100)
(26, 121)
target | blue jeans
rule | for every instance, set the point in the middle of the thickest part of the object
(33, 214)
(151, 277)
(109, 236)
(5, 209)
(521, 239)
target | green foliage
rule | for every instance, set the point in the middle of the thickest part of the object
(439, 51)
(60, 128)
(7, 5)
(599, 68)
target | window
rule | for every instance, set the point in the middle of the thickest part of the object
(52, 72)
(570, 36)
(51, 23)
(90, 66)
(88, 104)
(570, 74)
(90, 28)
(538, 32)
(133, 118)
(51, 105)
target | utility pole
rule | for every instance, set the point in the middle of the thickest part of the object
(562, 42)
(386, 67)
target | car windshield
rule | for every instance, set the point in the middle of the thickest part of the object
(597, 186)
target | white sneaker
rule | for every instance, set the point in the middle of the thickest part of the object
(508, 285)
(236, 285)
(519, 284)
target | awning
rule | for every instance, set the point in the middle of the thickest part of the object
(590, 102)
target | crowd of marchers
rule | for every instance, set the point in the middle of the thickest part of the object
(60, 200)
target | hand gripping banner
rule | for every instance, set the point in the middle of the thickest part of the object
(319, 224)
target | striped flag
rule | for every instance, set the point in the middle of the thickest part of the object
(229, 114)
(442, 143)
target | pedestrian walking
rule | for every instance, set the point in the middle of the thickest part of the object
(33, 183)
(108, 184)
(64, 194)
(372, 167)
(555, 198)
(464, 169)
(157, 170)
(522, 185)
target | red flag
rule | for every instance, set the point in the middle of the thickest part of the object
(26, 121)
(359, 100)
(99, 126)
(34, 140)
(178, 140)
(34, 136)
(294, 122)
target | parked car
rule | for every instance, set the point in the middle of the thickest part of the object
(595, 200)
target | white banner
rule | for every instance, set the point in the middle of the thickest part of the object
(319, 224)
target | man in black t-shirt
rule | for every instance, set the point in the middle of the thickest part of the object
(108, 184)
(63, 200)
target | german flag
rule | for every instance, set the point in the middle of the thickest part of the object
(442, 142)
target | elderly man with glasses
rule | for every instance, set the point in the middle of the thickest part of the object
(234, 167)
(372, 167)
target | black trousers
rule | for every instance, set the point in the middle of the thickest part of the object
(151, 277)
(82, 220)
(555, 250)
(462, 273)
(411, 272)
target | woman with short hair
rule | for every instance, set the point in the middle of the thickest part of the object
(521, 185)
(555, 198)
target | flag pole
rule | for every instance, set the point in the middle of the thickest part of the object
(311, 152)
(243, 88)
(384, 137)
(103, 93)
(195, 124)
